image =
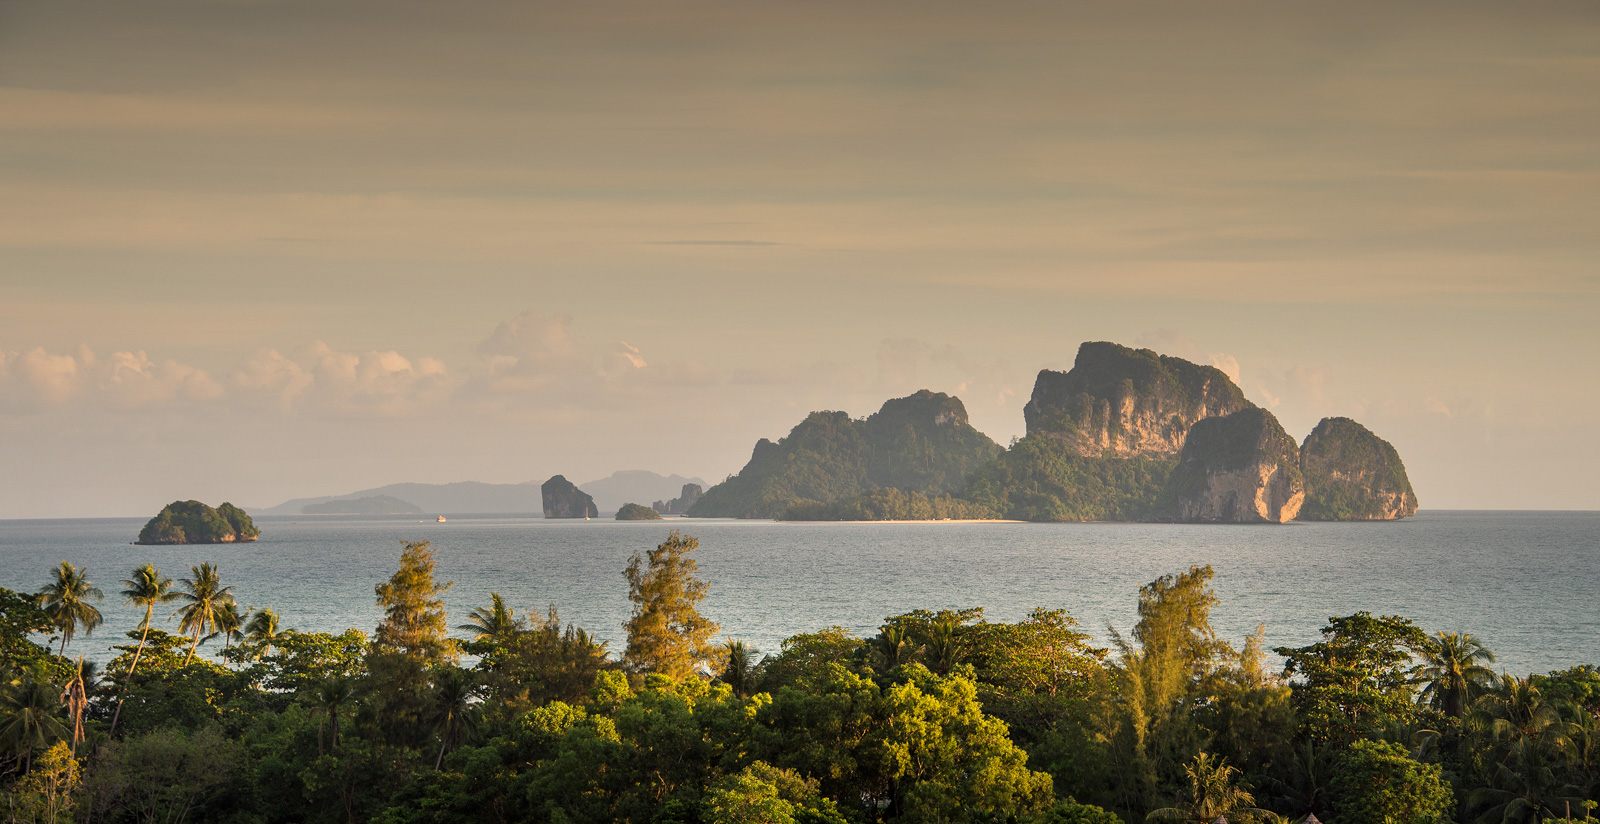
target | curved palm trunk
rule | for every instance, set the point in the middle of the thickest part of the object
(194, 646)
(127, 685)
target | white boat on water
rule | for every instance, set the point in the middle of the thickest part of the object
(441, 519)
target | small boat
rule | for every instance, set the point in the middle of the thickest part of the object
(441, 519)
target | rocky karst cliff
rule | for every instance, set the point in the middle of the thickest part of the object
(563, 499)
(1353, 475)
(1118, 402)
(1240, 468)
(687, 498)
(920, 443)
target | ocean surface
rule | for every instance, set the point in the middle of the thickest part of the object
(1524, 582)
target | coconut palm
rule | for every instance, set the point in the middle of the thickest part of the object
(1213, 793)
(1453, 672)
(1517, 710)
(205, 600)
(146, 588)
(891, 647)
(1526, 785)
(453, 696)
(330, 695)
(262, 630)
(65, 602)
(943, 646)
(28, 706)
(497, 624)
(229, 625)
(740, 671)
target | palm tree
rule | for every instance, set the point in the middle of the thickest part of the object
(1525, 785)
(65, 602)
(453, 695)
(262, 630)
(891, 647)
(943, 648)
(330, 695)
(229, 624)
(205, 601)
(146, 588)
(498, 623)
(1453, 671)
(1213, 794)
(28, 707)
(1524, 740)
(740, 671)
(1517, 710)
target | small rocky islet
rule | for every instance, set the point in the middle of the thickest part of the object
(1125, 435)
(192, 522)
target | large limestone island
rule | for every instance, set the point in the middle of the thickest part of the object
(192, 522)
(563, 499)
(1353, 475)
(1125, 435)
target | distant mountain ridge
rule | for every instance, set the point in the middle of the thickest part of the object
(477, 498)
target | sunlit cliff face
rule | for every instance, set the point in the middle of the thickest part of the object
(252, 251)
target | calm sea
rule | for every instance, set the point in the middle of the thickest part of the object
(1524, 582)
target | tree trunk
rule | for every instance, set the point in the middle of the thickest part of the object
(127, 685)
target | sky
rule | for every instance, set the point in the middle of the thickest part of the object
(252, 251)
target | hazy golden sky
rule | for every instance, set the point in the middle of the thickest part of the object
(258, 250)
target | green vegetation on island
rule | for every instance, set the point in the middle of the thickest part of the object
(637, 512)
(939, 716)
(192, 522)
(1042, 478)
(921, 443)
(889, 505)
(1353, 475)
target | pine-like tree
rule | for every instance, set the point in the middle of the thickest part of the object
(667, 635)
(414, 621)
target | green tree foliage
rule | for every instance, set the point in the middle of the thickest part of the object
(45, 794)
(65, 601)
(409, 643)
(809, 657)
(942, 716)
(1377, 782)
(667, 635)
(1161, 675)
(192, 522)
(20, 617)
(921, 443)
(1357, 681)
(168, 775)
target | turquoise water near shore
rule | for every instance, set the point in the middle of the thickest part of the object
(1525, 582)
